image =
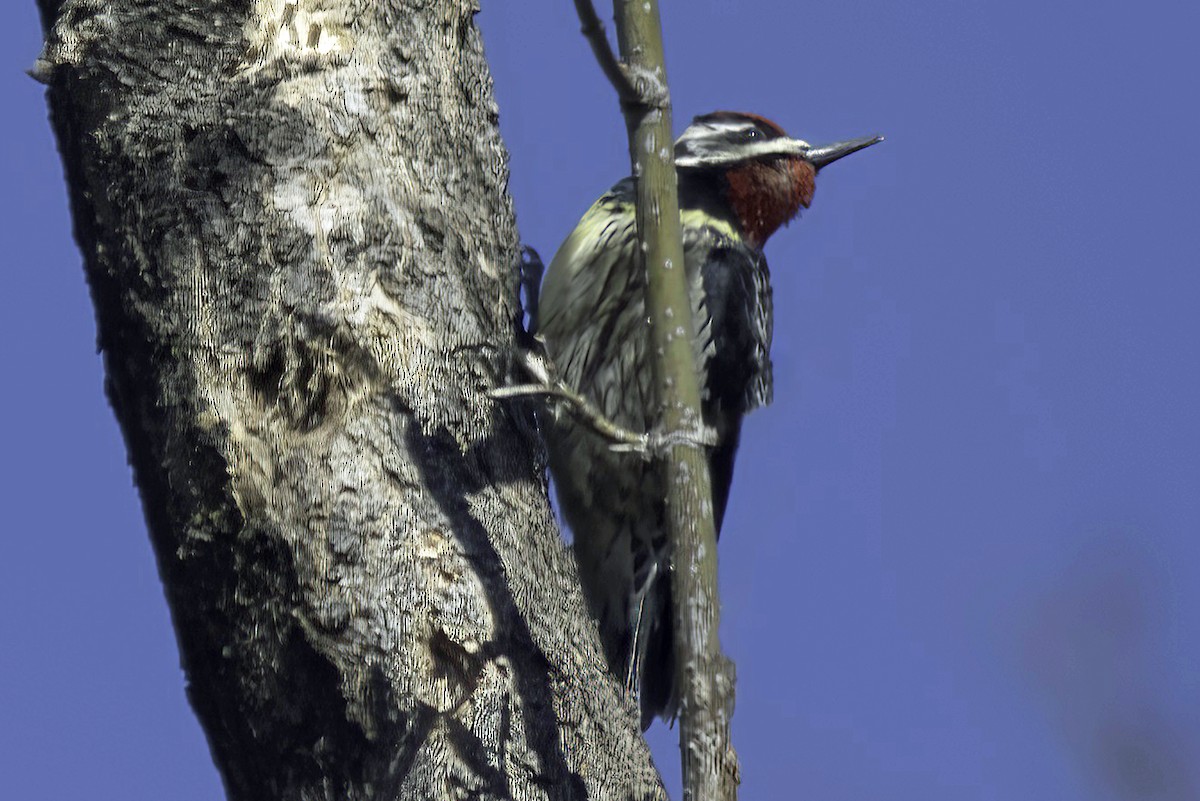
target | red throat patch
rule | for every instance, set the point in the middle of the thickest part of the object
(766, 194)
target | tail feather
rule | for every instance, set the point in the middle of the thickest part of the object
(651, 671)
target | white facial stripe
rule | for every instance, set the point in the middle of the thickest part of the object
(703, 153)
(775, 147)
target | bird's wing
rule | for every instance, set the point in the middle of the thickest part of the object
(736, 332)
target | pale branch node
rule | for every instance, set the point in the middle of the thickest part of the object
(629, 92)
(659, 443)
(649, 84)
(650, 445)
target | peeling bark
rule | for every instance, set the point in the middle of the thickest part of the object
(294, 222)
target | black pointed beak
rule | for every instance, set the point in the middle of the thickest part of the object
(827, 154)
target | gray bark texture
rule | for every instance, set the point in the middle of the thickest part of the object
(295, 225)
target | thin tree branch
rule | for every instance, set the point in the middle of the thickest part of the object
(548, 384)
(648, 445)
(704, 676)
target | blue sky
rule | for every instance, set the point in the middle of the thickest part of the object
(962, 555)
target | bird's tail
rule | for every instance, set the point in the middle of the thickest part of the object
(650, 675)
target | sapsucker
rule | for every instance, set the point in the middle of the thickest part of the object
(740, 178)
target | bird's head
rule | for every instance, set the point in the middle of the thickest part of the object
(768, 176)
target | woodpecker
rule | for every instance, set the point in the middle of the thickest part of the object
(740, 178)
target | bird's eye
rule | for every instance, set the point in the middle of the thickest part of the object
(751, 134)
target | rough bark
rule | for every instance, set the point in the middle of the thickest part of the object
(294, 223)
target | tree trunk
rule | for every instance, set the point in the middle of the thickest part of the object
(295, 226)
